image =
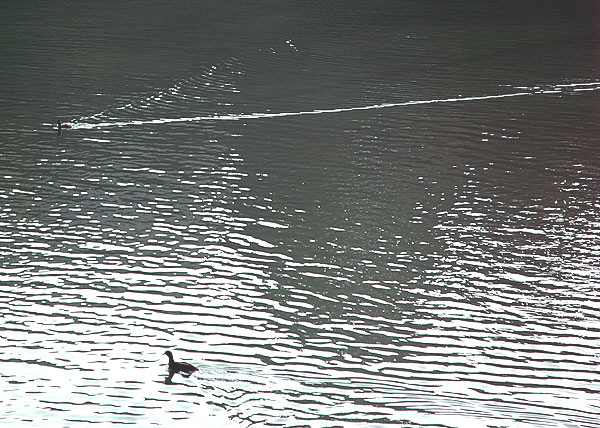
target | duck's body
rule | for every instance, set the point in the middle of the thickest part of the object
(176, 367)
(63, 125)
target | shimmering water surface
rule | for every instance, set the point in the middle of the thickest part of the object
(345, 214)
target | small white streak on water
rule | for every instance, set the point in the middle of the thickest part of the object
(96, 140)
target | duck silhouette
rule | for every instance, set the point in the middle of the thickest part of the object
(60, 125)
(185, 369)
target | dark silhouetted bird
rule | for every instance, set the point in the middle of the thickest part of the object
(177, 367)
(63, 125)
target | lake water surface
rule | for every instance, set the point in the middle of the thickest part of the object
(345, 214)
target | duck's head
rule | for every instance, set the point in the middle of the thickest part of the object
(169, 354)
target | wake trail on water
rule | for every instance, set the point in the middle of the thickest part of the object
(523, 91)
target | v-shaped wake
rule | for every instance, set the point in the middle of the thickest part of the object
(556, 89)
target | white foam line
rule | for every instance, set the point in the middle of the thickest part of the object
(573, 85)
(252, 116)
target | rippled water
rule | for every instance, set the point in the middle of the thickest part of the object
(344, 214)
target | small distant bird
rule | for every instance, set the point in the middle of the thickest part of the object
(176, 367)
(60, 125)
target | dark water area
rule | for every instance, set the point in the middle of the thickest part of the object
(344, 214)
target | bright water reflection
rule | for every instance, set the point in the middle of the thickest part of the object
(360, 216)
